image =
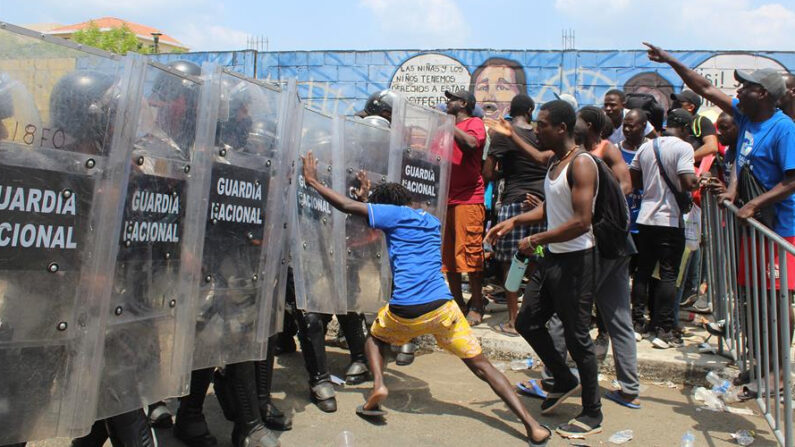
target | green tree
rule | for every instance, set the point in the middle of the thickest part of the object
(118, 40)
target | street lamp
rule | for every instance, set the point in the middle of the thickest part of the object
(156, 38)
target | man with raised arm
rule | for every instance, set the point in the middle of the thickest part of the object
(765, 152)
(554, 288)
(421, 301)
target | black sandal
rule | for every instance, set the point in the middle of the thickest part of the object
(554, 399)
(577, 429)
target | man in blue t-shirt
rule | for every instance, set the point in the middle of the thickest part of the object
(421, 301)
(765, 156)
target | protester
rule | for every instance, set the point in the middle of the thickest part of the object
(661, 235)
(614, 108)
(524, 180)
(765, 156)
(421, 302)
(614, 317)
(553, 288)
(787, 101)
(462, 248)
(701, 133)
(727, 136)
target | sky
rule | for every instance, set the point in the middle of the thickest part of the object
(206, 25)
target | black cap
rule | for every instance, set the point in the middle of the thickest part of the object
(466, 95)
(679, 118)
(688, 96)
(770, 79)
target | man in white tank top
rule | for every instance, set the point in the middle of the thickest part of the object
(564, 284)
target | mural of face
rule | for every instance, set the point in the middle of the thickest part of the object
(494, 89)
(495, 82)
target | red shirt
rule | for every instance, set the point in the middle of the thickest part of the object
(466, 183)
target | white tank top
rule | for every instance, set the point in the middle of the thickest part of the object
(560, 210)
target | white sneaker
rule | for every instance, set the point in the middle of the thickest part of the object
(658, 342)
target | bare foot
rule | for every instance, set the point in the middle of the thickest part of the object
(629, 398)
(375, 398)
(539, 435)
(474, 317)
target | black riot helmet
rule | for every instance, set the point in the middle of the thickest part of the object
(380, 103)
(168, 86)
(80, 105)
(179, 100)
(234, 123)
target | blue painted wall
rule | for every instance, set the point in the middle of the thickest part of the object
(340, 81)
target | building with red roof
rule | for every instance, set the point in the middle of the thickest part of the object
(145, 34)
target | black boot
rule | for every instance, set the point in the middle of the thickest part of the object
(352, 326)
(273, 418)
(191, 427)
(405, 355)
(130, 430)
(160, 416)
(311, 335)
(323, 395)
(95, 438)
(249, 430)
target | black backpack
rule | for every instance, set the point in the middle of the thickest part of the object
(648, 103)
(610, 221)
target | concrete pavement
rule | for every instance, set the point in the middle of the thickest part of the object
(437, 402)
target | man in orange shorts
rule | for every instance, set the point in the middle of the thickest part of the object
(463, 235)
(421, 302)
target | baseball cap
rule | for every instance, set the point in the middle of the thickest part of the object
(687, 96)
(769, 78)
(679, 118)
(568, 98)
(466, 95)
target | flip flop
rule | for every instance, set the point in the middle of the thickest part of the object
(375, 412)
(615, 396)
(575, 429)
(505, 329)
(531, 389)
(554, 399)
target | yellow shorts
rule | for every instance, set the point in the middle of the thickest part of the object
(446, 323)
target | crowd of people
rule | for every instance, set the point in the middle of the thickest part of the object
(552, 172)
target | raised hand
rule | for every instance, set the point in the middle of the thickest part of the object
(309, 167)
(502, 126)
(657, 54)
(362, 192)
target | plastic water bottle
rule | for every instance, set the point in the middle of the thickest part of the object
(345, 439)
(621, 437)
(719, 385)
(516, 273)
(520, 365)
(688, 439)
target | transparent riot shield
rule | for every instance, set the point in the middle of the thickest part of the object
(241, 219)
(274, 291)
(62, 167)
(155, 279)
(365, 148)
(420, 154)
(317, 228)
